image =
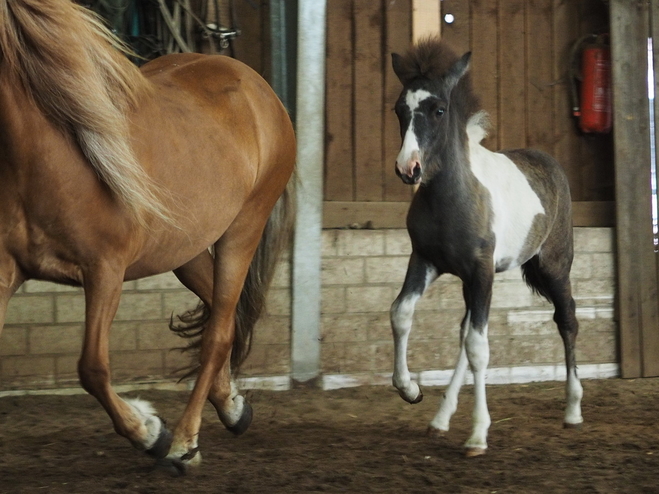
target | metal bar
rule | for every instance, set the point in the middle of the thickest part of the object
(305, 344)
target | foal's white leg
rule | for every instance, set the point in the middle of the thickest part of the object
(478, 354)
(449, 403)
(574, 393)
(419, 276)
(402, 312)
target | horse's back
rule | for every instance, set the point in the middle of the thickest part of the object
(211, 113)
(214, 135)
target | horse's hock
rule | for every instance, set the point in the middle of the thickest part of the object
(362, 272)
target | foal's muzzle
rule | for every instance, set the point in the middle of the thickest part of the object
(412, 173)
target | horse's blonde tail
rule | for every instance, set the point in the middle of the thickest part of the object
(76, 71)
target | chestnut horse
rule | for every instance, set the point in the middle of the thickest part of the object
(110, 173)
(475, 213)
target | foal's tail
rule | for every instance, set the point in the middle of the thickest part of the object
(275, 239)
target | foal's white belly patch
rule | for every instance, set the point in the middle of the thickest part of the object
(514, 203)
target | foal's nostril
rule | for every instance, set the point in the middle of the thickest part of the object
(416, 171)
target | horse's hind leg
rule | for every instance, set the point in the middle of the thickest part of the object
(419, 275)
(550, 275)
(478, 295)
(449, 403)
(234, 412)
(134, 419)
(233, 254)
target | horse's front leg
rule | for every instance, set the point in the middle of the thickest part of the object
(233, 410)
(478, 295)
(134, 419)
(420, 274)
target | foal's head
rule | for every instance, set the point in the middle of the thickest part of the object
(433, 108)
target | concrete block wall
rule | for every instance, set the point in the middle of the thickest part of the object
(362, 272)
(42, 339)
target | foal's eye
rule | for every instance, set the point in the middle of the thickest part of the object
(439, 112)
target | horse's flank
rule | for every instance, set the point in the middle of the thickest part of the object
(82, 87)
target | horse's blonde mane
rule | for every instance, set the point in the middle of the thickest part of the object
(75, 70)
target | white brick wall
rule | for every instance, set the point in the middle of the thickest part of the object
(371, 266)
(362, 272)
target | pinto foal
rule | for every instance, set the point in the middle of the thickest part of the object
(476, 212)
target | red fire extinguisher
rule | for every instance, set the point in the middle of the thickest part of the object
(592, 106)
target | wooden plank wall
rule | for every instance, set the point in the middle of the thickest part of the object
(520, 69)
(362, 136)
(253, 45)
(638, 263)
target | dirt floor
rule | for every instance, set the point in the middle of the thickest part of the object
(353, 440)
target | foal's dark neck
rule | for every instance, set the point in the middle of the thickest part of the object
(453, 181)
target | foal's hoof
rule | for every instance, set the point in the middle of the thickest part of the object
(473, 452)
(179, 466)
(243, 422)
(414, 401)
(567, 425)
(435, 433)
(161, 447)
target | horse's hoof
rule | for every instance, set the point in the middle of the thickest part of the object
(414, 401)
(418, 398)
(161, 447)
(435, 433)
(243, 422)
(179, 466)
(567, 425)
(473, 452)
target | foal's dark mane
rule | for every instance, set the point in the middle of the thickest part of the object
(430, 60)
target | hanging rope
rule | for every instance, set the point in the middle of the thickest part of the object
(158, 27)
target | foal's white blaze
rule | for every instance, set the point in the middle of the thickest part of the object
(150, 421)
(409, 150)
(514, 203)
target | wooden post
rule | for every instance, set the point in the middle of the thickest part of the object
(305, 344)
(637, 261)
(426, 19)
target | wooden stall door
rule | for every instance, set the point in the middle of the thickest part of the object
(632, 23)
(520, 69)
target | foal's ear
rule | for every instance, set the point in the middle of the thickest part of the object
(397, 64)
(458, 70)
(401, 69)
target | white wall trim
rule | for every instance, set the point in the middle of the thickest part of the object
(496, 375)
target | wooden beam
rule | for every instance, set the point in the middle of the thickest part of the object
(306, 265)
(425, 19)
(380, 215)
(637, 293)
